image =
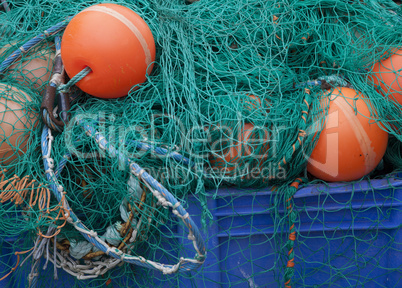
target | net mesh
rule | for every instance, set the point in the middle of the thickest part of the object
(223, 107)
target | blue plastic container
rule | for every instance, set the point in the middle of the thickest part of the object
(347, 236)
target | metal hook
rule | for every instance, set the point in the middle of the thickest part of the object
(63, 100)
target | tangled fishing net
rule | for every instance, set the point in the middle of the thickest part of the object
(109, 197)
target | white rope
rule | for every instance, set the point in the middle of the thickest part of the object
(92, 269)
(57, 79)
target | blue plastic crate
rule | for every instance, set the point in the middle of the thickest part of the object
(347, 236)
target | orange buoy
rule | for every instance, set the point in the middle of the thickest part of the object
(34, 69)
(387, 74)
(254, 103)
(350, 145)
(115, 43)
(246, 145)
(15, 122)
(35, 72)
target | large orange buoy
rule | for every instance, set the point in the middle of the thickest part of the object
(115, 43)
(387, 74)
(16, 123)
(229, 159)
(350, 145)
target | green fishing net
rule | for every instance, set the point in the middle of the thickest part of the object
(226, 73)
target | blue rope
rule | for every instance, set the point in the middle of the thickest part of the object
(334, 79)
(34, 281)
(62, 164)
(181, 159)
(162, 152)
(137, 170)
(32, 43)
(308, 83)
(48, 121)
(57, 43)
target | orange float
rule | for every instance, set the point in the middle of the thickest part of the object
(387, 74)
(228, 159)
(34, 73)
(15, 123)
(350, 145)
(252, 104)
(115, 43)
(34, 69)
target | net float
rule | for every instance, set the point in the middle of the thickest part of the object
(247, 145)
(16, 122)
(34, 69)
(350, 145)
(387, 76)
(115, 43)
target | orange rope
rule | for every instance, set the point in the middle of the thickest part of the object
(36, 198)
(18, 262)
(51, 236)
(48, 200)
(292, 233)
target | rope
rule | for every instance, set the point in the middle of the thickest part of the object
(335, 80)
(49, 122)
(162, 152)
(302, 129)
(64, 88)
(19, 197)
(164, 197)
(289, 270)
(32, 43)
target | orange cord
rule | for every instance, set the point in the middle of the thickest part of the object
(18, 262)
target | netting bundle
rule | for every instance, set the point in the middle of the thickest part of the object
(166, 145)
